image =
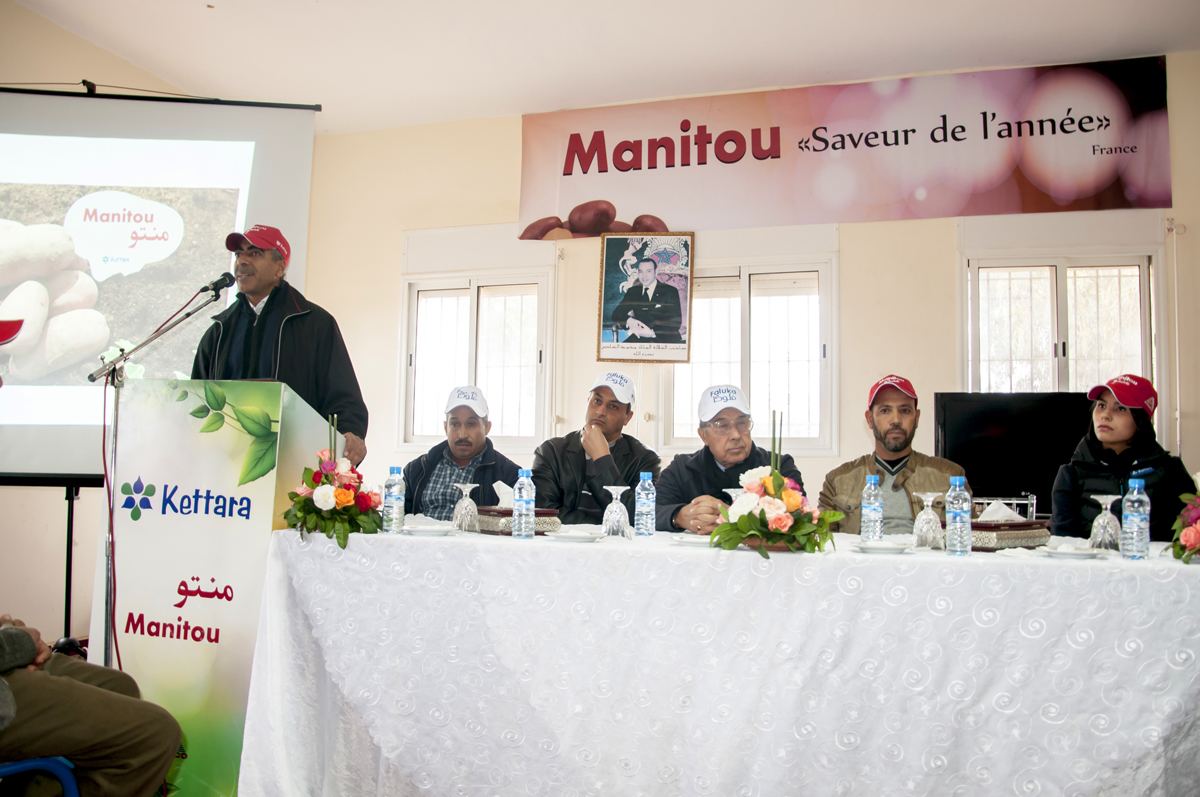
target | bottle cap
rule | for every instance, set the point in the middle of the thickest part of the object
(958, 481)
(647, 475)
(872, 479)
(1137, 484)
(523, 473)
(395, 469)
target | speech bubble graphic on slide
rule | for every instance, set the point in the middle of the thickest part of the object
(119, 233)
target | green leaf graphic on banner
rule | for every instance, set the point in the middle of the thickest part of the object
(149, 492)
(201, 411)
(135, 513)
(253, 420)
(260, 458)
(182, 395)
(214, 422)
(126, 489)
(214, 395)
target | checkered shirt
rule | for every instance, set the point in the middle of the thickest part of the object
(440, 493)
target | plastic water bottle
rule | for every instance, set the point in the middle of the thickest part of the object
(1135, 521)
(523, 498)
(871, 528)
(644, 497)
(958, 518)
(393, 501)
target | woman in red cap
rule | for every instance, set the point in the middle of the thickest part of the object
(1119, 446)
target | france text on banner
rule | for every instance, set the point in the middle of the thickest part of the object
(1030, 140)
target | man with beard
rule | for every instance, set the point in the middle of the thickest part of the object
(892, 416)
(571, 472)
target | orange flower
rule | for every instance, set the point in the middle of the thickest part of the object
(343, 498)
(793, 500)
(769, 485)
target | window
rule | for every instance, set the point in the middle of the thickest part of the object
(1059, 323)
(483, 332)
(766, 330)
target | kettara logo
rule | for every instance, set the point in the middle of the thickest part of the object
(177, 500)
(137, 497)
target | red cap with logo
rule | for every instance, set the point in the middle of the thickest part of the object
(891, 380)
(9, 330)
(1130, 390)
(263, 237)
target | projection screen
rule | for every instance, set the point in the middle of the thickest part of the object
(112, 213)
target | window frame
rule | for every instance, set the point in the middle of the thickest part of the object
(826, 266)
(543, 278)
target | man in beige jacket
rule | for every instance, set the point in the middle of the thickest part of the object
(892, 415)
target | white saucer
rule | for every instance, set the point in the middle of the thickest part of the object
(687, 538)
(569, 536)
(882, 548)
(428, 531)
(1070, 553)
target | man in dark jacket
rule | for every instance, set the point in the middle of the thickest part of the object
(273, 332)
(465, 457)
(571, 472)
(691, 491)
(650, 310)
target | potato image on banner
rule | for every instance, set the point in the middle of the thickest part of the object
(34, 252)
(28, 302)
(71, 290)
(70, 338)
(119, 233)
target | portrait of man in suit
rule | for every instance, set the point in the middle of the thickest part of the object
(650, 310)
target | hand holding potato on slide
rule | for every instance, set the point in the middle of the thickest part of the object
(589, 220)
(48, 288)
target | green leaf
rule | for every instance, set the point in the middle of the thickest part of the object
(172, 384)
(149, 491)
(214, 422)
(214, 395)
(201, 411)
(126, 489)
(253, 420)
(260, 458)
(135, 513)
(343, 536)
(181, 396)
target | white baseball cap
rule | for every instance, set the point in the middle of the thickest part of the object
(620, 384)
(467, 396)
(718, 397)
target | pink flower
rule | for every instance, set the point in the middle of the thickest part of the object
(781, 522)
(756, 488)
(328, 466)
(1191, 514)
(791, 484)
(304, 491)
(376, 500)
(344, 479)
(324, 455)
(1190, 537)
(773, 507)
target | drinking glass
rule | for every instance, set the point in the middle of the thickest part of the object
(1106, 529)
(466, 514)
(927, 527)
(616, 517)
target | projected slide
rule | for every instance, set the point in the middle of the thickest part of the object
(100, 241)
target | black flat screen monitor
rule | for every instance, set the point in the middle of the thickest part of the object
(1010, 443)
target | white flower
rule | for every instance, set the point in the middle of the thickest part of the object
(323, 497)
(343, 465)
(755, 475)
(746, 503)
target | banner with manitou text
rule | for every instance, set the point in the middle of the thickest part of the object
(1076, 137)
(198, 493)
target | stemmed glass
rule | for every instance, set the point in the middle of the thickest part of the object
(1106, 529)
(927, 528)
(616, 517)
(466, 514)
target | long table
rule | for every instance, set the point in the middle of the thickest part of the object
(477, 665)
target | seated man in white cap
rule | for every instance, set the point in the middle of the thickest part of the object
(465, 457)
(892, 417)
(691, 491)
(571, 472)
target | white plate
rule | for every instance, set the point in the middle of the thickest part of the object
(566, 536)
(687, 538)
(429, 531)
(1071, 553)
(885, 549)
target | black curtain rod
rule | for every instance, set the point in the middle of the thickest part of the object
(190, 100)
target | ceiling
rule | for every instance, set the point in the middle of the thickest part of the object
(377, 64)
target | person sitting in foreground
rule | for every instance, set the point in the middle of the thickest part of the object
(691, 490)
(55, 705)
(1119, 446)
(571, 472)
(892, 416)
(466, 456)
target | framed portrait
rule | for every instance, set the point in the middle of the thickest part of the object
(645, 287)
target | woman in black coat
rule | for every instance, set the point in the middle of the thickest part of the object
(1120, 445)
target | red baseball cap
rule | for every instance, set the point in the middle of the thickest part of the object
(891, 380)
(9, 330)
(261, 236)
(1130, 390)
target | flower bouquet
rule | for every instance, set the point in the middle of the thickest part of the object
(331, 499)
(773, 512)
(1187, 529)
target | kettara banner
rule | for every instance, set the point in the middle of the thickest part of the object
(198, 494)
(1032, 140)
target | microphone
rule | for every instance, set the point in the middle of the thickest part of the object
(223, 281)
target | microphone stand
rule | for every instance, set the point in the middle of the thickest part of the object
(114, 371)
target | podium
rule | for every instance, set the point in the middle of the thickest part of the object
(203, 473)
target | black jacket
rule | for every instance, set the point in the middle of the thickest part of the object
(494, 466)
(310, 357)
(662, 313)
(1095, 470)
(685, 479)
(561, 473)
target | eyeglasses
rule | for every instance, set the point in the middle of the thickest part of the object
(722, 427)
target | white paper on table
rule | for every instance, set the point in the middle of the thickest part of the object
(504, 494)
(997, 512)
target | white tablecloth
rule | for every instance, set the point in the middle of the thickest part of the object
(478, 665)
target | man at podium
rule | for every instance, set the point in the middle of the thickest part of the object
(273, 332)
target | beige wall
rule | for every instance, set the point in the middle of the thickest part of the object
(368, 188)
